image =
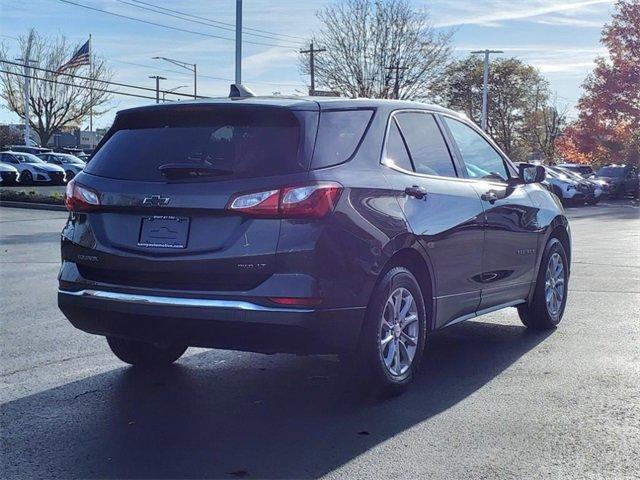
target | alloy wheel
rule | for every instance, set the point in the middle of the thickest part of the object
(554, 285)
(399, 332)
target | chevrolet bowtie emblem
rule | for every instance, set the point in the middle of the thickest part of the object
(156, 201)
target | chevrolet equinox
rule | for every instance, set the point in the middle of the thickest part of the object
(307, 226)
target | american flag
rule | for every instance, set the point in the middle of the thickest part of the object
(81, 57)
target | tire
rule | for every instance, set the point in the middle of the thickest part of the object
(144, 354)
(538, 315)
(26, 177)
(594, 201)
(381, 371)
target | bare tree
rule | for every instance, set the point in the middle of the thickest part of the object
(545, 124)
(366, 40)
(56, 100)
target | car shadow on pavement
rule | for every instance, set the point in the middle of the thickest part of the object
(243, 416)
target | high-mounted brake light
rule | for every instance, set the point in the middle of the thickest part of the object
(314, 200)
(79, 198)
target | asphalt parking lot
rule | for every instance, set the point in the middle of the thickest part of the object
(491, 400)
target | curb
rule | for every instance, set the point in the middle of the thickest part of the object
(33, 206)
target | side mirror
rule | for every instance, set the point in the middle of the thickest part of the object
(529, 173)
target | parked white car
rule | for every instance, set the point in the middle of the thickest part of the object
(599, 188)
(32, 169)
(71, 164)
(8, 174)
(571, 189)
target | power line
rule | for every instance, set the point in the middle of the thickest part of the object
(81, 77)
(184, 30)
(115, 92)
(244, 29)
(222, 79)
(207, 23)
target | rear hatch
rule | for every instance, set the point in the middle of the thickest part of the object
(164, 177)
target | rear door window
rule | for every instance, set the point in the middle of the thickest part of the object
(427, 147)
(222, 142)
(339, 134)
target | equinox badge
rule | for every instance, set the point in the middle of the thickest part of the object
(156, 201)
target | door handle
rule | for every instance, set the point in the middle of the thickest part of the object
(490, 197)
(416, 191)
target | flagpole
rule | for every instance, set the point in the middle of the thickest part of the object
(90, 88)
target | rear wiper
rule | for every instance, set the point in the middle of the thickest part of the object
(191, 170)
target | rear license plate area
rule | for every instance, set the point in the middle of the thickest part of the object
(164, 232)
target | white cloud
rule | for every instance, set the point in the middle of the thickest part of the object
(491, 13)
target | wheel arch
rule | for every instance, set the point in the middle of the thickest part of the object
(558, 228)
(419, 264)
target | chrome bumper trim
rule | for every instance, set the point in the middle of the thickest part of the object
(178, 301)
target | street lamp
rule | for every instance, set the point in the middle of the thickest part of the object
(27, 75)
(172, 90)
(192, 67)
(485, 85)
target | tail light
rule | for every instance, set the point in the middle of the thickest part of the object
(314, 200)
(79, 198)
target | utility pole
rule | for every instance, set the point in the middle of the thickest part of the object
(311, 53)
(187, 66)
(485, 85)
(27, 62)
(238, 42)
(158, 78)
(396, 86)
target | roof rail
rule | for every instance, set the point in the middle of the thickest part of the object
(240, 91)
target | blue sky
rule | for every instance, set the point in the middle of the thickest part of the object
(559, 37)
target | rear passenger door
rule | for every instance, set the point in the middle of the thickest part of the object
(512, 227)
(443, 211)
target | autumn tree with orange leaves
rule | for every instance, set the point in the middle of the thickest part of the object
(608, 125)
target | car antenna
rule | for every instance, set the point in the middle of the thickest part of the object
(240, 91)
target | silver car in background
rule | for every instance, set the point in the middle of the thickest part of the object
(8, 174)
(572, 188)
(32, 169)
(71, 164)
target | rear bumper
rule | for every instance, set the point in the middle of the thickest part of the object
(213, 323)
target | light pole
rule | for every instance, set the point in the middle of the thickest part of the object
(238, 42)
(157, 78)
(164, 92)
(27, 94)
(485, 84)
(192, 67)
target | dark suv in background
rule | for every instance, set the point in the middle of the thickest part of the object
(305, 226)
(622, 179)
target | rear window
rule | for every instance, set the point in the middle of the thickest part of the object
(224, 142)
(339, 135)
